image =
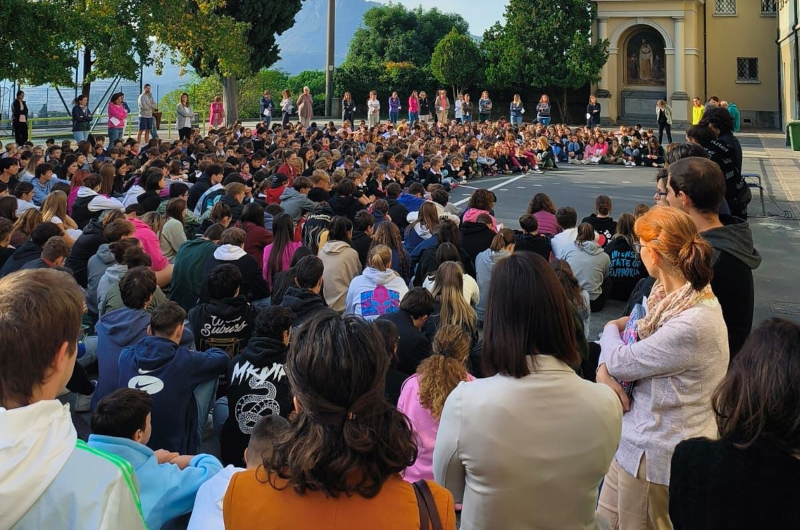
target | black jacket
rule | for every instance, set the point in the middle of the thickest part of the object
(226, 324)
(361, 243)
(413, 347)
(427, 264)
(304, 303)
(714, 485)
(26, 252)
(253, 288)
(538, 244)
(475, 238)
(84, 248)
(605, 226)
(626, 268)
(197, 190)
(399, 214)
(346, 206)
(235, 206)
(150, 201)
(257, 387)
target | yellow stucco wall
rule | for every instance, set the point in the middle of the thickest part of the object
(747, 34)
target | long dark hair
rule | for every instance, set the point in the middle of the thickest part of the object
(345, 438)
(283, 234)
(253, 213)
(527, 313)
(539, 202)
(759, 398)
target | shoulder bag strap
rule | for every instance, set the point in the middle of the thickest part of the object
(424, 516)
(423, 490)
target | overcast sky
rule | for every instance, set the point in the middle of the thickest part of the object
(480, 14)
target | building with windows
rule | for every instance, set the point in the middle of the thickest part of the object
(789, 71)
(678, 49)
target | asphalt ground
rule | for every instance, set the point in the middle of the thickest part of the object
(777, 293)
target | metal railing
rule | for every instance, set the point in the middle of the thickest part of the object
(61, 126)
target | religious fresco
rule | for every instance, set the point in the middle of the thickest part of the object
(645, 61)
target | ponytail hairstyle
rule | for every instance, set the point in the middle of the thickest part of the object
(380, 257)
(502, 239)
(219, 212)
(570, 284)
(439, 374)
(448, 290)
(602, 205)
(124, 248)
(673, 235)
(585, 234)
(625, 229)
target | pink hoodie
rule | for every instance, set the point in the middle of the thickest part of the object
(425, 429)
(118, 112)
(413, 105)
(150, 244)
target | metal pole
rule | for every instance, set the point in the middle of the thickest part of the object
(329, 62)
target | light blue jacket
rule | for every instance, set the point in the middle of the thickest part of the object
(166, 490)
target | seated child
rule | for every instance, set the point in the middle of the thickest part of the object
(207, 513)
(168, 482)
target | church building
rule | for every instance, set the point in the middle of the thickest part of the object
(680, 49)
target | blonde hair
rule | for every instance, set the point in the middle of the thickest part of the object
(380, 257)
(55, 205)
(448, 290)
(439, 374)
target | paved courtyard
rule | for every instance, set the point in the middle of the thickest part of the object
(777, 238)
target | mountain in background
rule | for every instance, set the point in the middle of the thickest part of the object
(303, 45)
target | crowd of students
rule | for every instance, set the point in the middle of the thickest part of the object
(367, 354)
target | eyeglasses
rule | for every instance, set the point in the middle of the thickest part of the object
(660, 193)
(638, 247)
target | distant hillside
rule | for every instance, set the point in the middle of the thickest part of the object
(303, 46)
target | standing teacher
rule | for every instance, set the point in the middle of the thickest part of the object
(305, 107)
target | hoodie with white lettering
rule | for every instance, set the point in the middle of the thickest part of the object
(257, 387)
(227, 323)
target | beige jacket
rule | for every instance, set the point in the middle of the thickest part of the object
(528, 452)
(341, 266)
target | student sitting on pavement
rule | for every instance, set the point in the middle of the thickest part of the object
(168, 482)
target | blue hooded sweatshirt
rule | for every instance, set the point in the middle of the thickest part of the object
(117, 330)
(170, 374)
(166, 491)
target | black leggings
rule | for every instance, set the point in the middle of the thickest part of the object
(184, 133)
(285, 119)
(20, 133)
(661, 128)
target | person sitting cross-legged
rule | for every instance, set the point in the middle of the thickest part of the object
(181, 381)
(168, 482)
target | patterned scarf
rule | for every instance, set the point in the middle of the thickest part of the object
(662, 306)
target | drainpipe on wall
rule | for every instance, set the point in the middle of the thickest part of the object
(705, 53)
(796, 61)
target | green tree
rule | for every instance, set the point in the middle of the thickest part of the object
(545, 44)
(35, 43)
(457, 61)
(393, 33)
(266, 19)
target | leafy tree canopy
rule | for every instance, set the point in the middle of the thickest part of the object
(457, 61)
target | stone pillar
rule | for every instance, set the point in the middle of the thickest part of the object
(679, 98)
(602, 93)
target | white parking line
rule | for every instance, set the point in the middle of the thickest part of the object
(497, 187)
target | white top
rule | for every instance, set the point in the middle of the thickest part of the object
(374, 106)
(527, 452)
(676, 369)
(207, 511)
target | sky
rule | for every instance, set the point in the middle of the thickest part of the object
(480, 14)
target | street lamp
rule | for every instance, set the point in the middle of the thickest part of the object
(329, 61)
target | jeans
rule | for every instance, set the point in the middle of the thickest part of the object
(80, 136)
(467, 117)
(153, 128)
(413, 117)
(516, 121)
(204, 396)
(393, 115)
(114, 135)
(544, 120)
(220, 415)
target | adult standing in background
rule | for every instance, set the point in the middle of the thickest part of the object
(348, 108)
(735, 114)
(287, 109)
(466, 109)
(305, 107)
(593, 112)
(81, 118)
(146, 107)
(373, 109)
(413, 108)
(19, 119)
(424, 108)
(543, 110)
(184, 118)
(117, 114)
(516, 110)
(267, 106)
(216, 113)
(484, 107)
(664, 117)
(442, 105)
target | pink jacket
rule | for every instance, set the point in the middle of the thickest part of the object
(413, 105)
(150, 244)
(471, 216)
(547, 223)
(288, 254)
(118, 112)
(425, 429)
